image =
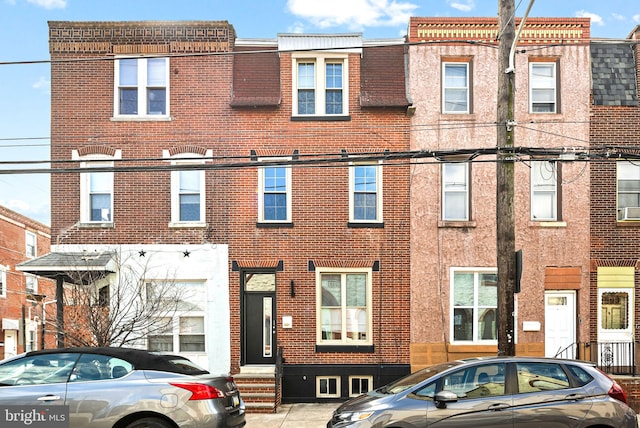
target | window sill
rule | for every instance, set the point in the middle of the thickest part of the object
(321, 118)
(456, 223)
(628, 223)
(547, 224)
(365, 225)
(97, 225)
(463, 117)
(274, 225)
(187, 225)
(136, 118)
(352, 349)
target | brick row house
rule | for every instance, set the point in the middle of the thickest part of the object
(256, 175)
(615, 196)
(453, 86)
(25, 310)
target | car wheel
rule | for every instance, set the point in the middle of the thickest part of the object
(149, 423)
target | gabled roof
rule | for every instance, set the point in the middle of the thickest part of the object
(613, 74)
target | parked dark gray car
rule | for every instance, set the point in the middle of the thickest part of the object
(121, 388)
(494, 392)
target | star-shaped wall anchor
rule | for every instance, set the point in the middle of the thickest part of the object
(142, 253)
(186, 253)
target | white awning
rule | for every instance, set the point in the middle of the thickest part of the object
(9, 324)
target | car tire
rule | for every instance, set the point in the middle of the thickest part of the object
(149, 423)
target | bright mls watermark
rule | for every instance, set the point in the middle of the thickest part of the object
(34, 416)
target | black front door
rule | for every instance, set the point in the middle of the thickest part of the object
(259, 328)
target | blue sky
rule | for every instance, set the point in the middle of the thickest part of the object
(25, 89)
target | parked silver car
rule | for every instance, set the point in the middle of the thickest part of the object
(119, 388)
(494, 392)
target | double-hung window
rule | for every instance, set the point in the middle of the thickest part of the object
(455, 191)
(142, 87)
(344, 307)
(188, 191)
(320, 86)
(3, 281)
(365, 197)
(474, 299)
(455, 87)
(628, 190)
(544, 191)
(31, 284)
(274, 204)
(31, 244)
(542, 87)
(96, 190)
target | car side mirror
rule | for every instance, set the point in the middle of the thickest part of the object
(443, 397)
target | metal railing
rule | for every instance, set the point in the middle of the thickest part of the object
(617, 358)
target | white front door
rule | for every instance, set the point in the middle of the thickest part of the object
(560, 324)
(10, 344)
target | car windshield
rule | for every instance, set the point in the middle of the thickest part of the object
(417, 377)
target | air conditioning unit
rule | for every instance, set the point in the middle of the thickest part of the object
(631, 213)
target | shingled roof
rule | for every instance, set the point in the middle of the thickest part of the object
(613, 74)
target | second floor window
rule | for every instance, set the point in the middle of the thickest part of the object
(455, 191)
(31, 244)
(275, 194)
(455, 88)
(3, 281)
(188, 196)
(366, 193)
(544, 191)
(142, 86)
(542, 87)
(31, 284)
(628, 190)
(96, 193)
(319, 87)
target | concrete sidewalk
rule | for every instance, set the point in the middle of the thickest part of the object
(307, 415)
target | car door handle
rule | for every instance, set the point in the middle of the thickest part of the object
(498, 406)
(575, 397)
(49, 398)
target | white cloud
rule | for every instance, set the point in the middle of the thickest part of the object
(618, 17)
(354, 14)
(636, 18)
(464, 6)
(595, 18)
(49, 4)
(43, 84)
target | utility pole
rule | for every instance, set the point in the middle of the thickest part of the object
(505, 219)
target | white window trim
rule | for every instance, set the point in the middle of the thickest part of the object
(555, 87)
(344, 341)
(187, 159)
(89, 161)
(142, 91)
(466, 192)
(534, 167)
(288, 192)
(34, 238)
(320, 60)
(352, 184)
(355, 394)
(3, 280)
(327, 395)
(474, 270)
(35, 283)
(619, 207)
(444, 88)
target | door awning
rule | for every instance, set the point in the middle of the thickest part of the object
(73, 267)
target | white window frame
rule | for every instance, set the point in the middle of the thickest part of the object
(450, 189)
(458, 89)
(3, 280)
(94, 161)
(187, 159)
(628, 172)
(31, 244)
(476, 305)
(544, 190)
(320, 62)
(352, 192)
(543, 83)
(262, 191)
(343, 272)
(320, 394)
(359, 377)
(33, 280)
(193, 307)
(142, 88)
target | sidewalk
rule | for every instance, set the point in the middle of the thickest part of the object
(307, 415)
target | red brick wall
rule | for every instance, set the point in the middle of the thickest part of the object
(82, 107)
